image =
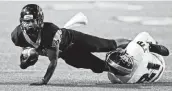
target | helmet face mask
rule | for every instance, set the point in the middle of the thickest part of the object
(30, 26)
(119, 62)
(31, 19)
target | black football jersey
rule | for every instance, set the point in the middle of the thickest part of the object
(66, 38)
(47, 34)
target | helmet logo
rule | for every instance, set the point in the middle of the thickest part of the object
(28, 17)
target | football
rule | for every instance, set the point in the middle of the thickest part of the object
(29, 53)
(28, 57)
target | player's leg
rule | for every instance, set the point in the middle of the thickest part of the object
(96, 44)
(82, 59)
(87, 61)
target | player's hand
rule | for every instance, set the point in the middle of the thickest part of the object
(42, 82)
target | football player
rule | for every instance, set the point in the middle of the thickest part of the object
(37, 37)
(140, 62)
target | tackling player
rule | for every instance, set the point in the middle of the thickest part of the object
(140, 62)
(44, 38)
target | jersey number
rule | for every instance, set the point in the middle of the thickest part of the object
(148, 77)
(142, 45)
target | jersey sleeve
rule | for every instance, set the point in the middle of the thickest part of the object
(18, 38)
(14, 36)
(57, 38)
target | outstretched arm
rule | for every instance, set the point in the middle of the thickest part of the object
(160, 49)
(52, 54)
(53, 57)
